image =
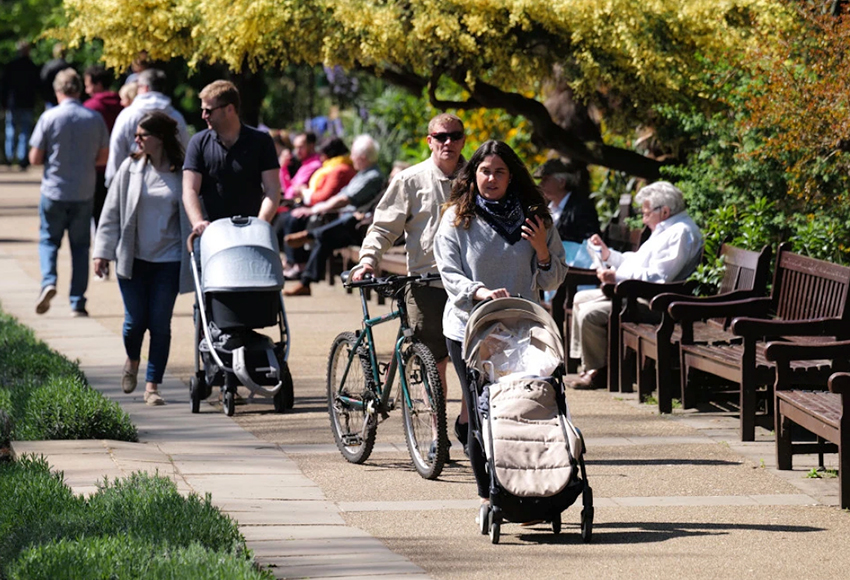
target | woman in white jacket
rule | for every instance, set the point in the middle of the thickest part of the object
(143, 228)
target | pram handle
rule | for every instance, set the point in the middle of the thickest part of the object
(190, 241)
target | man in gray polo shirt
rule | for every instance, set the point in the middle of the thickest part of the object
(70, 141)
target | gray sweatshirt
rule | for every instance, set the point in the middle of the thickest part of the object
(479, 257)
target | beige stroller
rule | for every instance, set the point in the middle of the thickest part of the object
(535, 456)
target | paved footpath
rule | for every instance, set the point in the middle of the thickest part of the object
(675, 496)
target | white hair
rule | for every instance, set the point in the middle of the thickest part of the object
(662, 194)
(366, 147)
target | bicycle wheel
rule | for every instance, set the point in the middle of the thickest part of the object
(354, 425)
(425, 414)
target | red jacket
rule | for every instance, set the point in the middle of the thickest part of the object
(108, 104)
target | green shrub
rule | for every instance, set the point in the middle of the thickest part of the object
(152, 509)
(37, 506)
(46, 396)
(107, 558)
(140, 521)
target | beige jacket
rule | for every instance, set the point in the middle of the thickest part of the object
(410, 206)
(116, 232)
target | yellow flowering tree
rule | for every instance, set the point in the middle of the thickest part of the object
(623, 55)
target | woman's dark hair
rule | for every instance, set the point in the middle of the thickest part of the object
(164, 128)
(521, 185)
(333, 147)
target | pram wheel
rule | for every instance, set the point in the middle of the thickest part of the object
(484, 518)
(495, 526)
(556, 524)
(425, 416)
(228, 403)
(285, 397)
(197, 387)
(587, 524)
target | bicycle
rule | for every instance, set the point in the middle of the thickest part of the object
(359, 385)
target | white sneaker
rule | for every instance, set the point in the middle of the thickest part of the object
(42, 305)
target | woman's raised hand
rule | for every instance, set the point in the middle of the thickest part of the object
(534, 231)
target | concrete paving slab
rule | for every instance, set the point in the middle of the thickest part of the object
(274, 466)
(365, 547)
(301, 532)
(282, 512)
(335, 566)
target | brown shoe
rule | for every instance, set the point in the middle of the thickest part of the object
(298, 289)
(593, 379)
(298, 239)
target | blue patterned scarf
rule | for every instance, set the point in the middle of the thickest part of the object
(506, 216)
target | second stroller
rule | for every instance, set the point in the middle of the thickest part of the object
(238, 290)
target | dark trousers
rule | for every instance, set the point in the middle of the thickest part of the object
(476, 452)
(149, 298)
(339, 233)
(100, 191)
(284, 225)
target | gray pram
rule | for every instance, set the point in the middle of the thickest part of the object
(534, 454)
(237, 291)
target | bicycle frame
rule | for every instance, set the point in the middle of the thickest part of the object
(396, 360)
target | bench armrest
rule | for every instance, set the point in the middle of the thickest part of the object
(690, 311)
(788, 351)
(648, 290)
(661, 302)
(746, 326)
(840, 383)
(580, 276)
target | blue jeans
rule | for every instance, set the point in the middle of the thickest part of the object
(56, 217)
(149, 298)
(18, 129)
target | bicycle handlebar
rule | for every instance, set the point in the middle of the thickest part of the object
(394, 280)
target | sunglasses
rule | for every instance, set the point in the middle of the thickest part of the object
(206, 111)
(142, 135)
(443, 137)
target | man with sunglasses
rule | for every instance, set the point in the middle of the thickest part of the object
(151, 97)
(230, 168)
(411, 208)
(671, 253)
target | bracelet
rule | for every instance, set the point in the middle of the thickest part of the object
(544, 265)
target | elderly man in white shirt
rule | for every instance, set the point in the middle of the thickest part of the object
(671, 253)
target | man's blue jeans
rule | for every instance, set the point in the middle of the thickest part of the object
(18, 129)
(75, 217)
(148, 306)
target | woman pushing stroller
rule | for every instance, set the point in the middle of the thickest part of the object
(495, 240)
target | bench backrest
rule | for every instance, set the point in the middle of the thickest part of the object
(804, 287)
(744, 269)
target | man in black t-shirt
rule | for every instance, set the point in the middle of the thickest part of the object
(230, 169)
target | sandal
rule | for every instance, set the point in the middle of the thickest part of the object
(153, 399)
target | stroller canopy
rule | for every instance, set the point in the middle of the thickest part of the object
(240, 255)
(510, 313)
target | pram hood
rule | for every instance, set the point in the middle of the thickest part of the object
(240, 255)
(509, 312)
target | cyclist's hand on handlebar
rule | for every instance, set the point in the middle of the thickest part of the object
(487, 294)
(361, 272)
(199, 227)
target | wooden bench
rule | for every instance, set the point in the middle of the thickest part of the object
(651, 350)
(808, 302)
(825, 414)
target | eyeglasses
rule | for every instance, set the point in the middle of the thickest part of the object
(650, 212)
(209, 111)
(142, 135)
(443, 137)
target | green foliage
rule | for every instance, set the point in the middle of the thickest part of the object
(820, 473)
(46, 396)
(151, 509)
(117, 557)
(140, 526)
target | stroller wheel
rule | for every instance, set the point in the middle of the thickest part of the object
(556, 524)
(284, 398)
(495, 527)
(587, 524)
(196, 388)
(483, 518)
(228, 404)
